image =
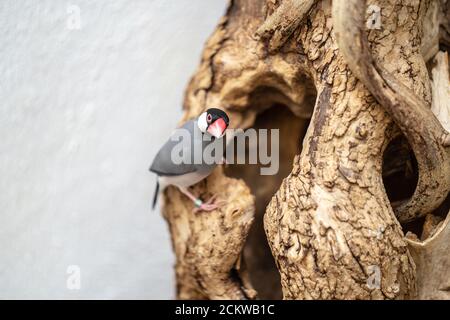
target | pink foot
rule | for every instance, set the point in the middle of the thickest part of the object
(210, 205)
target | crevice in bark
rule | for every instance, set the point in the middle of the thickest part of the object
(400, 176)
(257, 254)
(400, 171)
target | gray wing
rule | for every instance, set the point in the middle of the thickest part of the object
(163, 163)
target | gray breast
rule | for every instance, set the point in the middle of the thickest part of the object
(180, 148)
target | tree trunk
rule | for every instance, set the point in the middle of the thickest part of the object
(356, 126)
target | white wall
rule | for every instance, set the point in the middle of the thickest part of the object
(83, 111)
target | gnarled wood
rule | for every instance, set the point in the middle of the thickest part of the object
(282, 23)
(433, 262)
(410, 112)
(208, 246)
(330, 226)
(432, 254)
(234, 74)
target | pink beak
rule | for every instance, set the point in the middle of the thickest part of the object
(217, 128)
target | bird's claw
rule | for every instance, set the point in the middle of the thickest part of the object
(206, 207)
(210, 205)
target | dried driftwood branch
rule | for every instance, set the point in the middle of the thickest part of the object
(233, 75)
(208, 246)
(413, 116)
(441, 90)
(432, 254)
(283, 22)
(330, 226)
(433, 262)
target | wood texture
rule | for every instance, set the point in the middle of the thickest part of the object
(330, 226)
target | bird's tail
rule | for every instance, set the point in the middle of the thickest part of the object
(155, 196)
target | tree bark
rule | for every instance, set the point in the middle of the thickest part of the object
(330, 225)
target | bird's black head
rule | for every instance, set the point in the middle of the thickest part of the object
(214, 121)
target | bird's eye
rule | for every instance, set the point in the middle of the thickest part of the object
(209, 118)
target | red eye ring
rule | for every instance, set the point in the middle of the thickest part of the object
(209, 118)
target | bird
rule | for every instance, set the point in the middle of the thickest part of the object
(208, 128)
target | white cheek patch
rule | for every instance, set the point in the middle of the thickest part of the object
(202, 123)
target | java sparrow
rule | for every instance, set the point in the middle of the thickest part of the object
(213, 123)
